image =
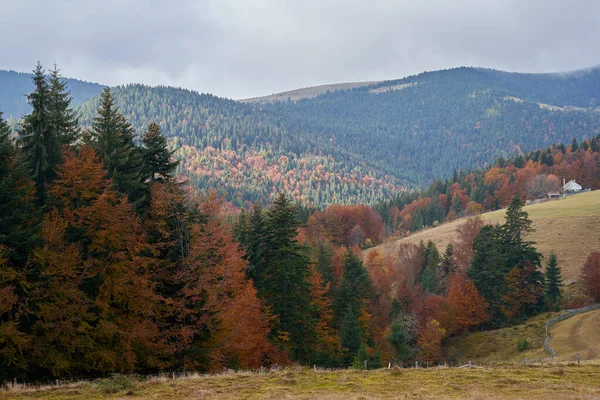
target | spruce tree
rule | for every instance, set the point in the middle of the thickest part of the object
(283, 281)
(157, 157)
(350, 336)
(554, 283)
(40, 143)
(63, 122)
(489, 268)
(112, 138)
(18, 217)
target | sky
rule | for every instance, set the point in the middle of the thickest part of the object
(246, 48)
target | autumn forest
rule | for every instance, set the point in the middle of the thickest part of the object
(112, 260)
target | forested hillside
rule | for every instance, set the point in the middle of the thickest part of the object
(15, 86)
(361, 145)
(110, 264)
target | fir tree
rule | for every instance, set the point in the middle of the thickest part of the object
(283, 282)
(554, 283)
(64, 124)
(112, 138)
(156, 155)
(40, 143)
(489, 268)
(350, 336)
(18, 217)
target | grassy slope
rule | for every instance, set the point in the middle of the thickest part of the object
(500, 345)
(578, 334)
(501, 382)
(569, 227)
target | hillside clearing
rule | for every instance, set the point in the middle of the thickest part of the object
(577, 335)
(502, 382)
(569, 227)
(307, 93)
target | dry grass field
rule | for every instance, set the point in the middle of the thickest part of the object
(557, 381)
(570, 227)
(579, 334)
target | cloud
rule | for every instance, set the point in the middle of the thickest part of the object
(243, 48)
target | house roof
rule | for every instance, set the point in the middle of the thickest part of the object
(572, 185)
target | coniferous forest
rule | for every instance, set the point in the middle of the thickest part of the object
(112, 262)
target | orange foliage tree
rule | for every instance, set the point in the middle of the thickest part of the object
(95, 298)
(467, 306)
(217, 298)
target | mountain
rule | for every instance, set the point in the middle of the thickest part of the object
(17, 85)
(363, 142)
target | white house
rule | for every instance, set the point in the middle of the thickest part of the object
(572, 187)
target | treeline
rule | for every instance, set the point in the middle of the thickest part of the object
(531, 176)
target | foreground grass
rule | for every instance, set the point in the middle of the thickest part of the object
(568, 227)
(502, 382)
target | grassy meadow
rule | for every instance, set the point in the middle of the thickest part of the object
(564, 381)
(570, 227)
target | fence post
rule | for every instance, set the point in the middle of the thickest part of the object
(315, 367)
(389, 365)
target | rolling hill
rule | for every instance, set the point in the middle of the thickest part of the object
(358, 142)
(16, 85)
(569, 227)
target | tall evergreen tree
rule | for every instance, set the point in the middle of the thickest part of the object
(489, 268)
(40, 143)
(18, 217)
(554, 283)
(350, 336)
(63, 122)
(283, 282)
(156, 155)
(112, 138)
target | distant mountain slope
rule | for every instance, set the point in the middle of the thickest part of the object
(15, 86)
(364, 143)
(356, 142)
(426, 125)
(307, 93)
(247, 154)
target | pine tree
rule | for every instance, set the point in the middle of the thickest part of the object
(112, 138)
(40, 143)
(554, 283)
(156, 155)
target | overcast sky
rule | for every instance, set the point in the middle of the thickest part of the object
(244, 48)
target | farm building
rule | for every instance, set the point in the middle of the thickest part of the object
(572, 187)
